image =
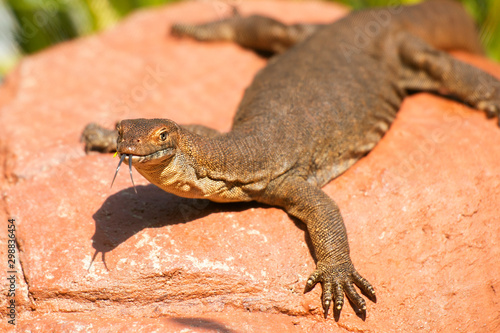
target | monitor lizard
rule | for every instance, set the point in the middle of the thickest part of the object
(319, 105)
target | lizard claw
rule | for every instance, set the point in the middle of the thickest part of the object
(311, 282)
(326, 307)
(337, 280)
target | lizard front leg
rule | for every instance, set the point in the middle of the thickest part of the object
(255, 32)
(321, 214)
(98, 138)
(434, 68)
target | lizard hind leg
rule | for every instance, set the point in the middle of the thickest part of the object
(433, 68)
(255, 32)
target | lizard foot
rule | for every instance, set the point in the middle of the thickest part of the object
(337, 280)
(491, 108)
(487, 96)
(97, 138)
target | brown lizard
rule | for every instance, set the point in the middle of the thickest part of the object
(314, 110)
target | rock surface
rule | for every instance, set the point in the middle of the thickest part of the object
(421, 210)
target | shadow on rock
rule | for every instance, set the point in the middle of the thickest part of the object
(126, 213)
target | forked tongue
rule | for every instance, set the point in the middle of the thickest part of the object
(129, 166)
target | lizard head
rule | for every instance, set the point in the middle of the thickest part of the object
(145, 140)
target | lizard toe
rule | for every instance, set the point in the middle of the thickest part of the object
(354, 297)
(365, 286)
(314, 278)
(327, 297)
(339, 297)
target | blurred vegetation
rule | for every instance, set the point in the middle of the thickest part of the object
(27, 26)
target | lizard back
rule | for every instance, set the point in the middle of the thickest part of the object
(326, 102)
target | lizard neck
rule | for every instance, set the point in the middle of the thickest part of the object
(205, 167)
(233, 157)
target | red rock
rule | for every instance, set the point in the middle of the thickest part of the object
(421, 209)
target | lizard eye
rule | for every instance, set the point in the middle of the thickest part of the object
(163, 136)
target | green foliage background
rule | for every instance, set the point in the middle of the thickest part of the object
(37, 24)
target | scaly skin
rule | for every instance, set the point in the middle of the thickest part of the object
(310, 114)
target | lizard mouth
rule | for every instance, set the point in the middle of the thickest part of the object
(139, 159)
(145, 158)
